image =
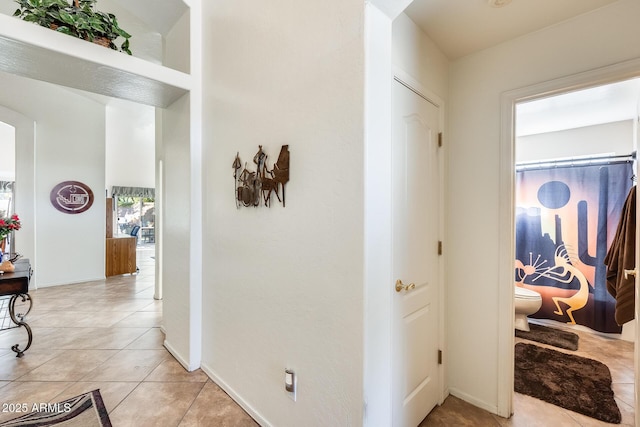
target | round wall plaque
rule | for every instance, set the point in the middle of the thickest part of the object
(71, 197)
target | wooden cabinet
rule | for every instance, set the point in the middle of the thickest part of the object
(109, 217)
(121, 251)
(121, 255)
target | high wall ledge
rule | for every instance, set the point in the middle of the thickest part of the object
(29, 50)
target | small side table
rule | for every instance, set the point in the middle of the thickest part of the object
(15, 285)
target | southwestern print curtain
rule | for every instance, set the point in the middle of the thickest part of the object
(566, 218)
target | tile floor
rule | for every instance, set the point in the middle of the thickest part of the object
(105, 334)
(530, 412)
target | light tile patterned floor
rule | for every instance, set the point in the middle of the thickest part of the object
(105, 334)
(530, 412)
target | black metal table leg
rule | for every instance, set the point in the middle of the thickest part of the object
(18, 319)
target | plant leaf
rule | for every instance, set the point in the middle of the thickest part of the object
(31, 18)
(65, 30)
(66, 17)
(123, 33)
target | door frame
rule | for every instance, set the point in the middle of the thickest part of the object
(610, 74)
(413, 85)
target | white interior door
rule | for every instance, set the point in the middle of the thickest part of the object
(415, 256)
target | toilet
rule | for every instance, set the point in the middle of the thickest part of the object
(526, 302)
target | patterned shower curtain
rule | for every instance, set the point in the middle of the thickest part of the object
(566, 218)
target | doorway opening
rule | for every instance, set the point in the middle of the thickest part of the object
(7, 178)
(574, 166)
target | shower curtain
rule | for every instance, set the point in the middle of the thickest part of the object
(566, 218)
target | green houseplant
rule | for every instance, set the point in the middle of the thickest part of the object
(78, 19)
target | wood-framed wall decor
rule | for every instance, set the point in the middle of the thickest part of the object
(256, 187)
(71, 197)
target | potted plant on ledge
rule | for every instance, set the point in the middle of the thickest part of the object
(78, 19)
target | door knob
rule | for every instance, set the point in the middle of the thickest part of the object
(401, 286)
(628, 273)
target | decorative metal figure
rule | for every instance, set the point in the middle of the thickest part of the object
(237, 164)
(253, 188)
(249, 190)
(281, 170)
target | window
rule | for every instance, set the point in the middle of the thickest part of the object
(135, 206)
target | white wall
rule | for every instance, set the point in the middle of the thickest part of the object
(176, 53)
(179, 160)
(590, 41)
(145, 43)
(419, 57)
(175, 231)
(377, 370)
(283, 286)
(8, 150)
(615, 137)
(130, 145)
(7, 7)
(69, 146)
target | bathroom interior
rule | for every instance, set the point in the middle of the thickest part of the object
(575, 167)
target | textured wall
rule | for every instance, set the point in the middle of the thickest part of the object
(283, 286)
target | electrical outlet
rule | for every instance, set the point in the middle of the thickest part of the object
(290, 383)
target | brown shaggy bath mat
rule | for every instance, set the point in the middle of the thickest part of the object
(550, 336)
(576, 383)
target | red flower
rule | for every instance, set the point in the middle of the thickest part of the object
(7, 225)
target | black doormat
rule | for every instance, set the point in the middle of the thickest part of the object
(572, 382)
(550, 336)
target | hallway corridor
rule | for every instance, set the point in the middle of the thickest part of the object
(106, 335)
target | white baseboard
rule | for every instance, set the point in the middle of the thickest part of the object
(445, 394)
(178, 357)
(472, 400)
(235, 396)
(52, 284)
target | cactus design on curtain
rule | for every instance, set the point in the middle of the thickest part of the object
(566, 218)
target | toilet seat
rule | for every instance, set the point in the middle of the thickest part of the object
(524, 293)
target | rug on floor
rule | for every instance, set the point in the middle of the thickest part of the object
(572, 382)
(85, 410)
(551, 336)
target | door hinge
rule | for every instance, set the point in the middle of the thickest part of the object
(439, 139)
(439, 247)
(439, 357)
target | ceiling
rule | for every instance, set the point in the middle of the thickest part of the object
(461, 27)
(601, 104)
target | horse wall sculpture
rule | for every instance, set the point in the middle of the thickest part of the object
(253, 188)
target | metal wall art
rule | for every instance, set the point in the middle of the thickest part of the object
(71, 197)
(255, 188)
